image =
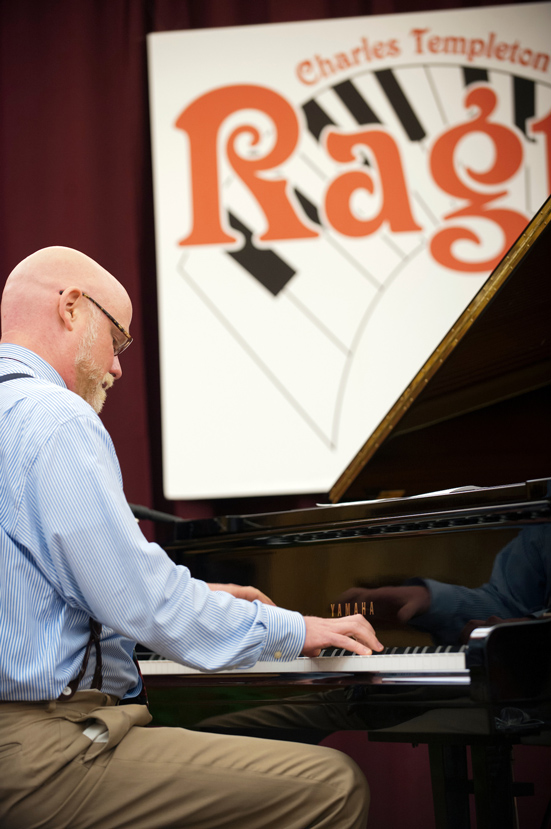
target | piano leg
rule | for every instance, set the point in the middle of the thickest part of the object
(450, 786)
(493, 786)
(492, 782)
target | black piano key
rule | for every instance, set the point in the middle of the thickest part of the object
(524, 96)
(402, 107)
(355, 103)
(265, 265)
(417, 650)
(310, 209)
(316, 118)
(472, 74)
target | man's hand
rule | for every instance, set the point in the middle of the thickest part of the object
(390, 604)
(240, 592)
(354, 633)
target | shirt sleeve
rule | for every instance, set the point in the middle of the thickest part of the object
(520, 585)
(98, 560)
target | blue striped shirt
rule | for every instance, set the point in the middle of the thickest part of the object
(70, 549)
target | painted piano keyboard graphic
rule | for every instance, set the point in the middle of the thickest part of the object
(302, 331)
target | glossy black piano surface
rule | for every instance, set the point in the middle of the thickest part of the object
(305, 559)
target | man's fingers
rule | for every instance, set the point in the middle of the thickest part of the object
(344, 642)
(353, 633)
(248, 593)
(252, 594)
(353, 645)
(360, 629)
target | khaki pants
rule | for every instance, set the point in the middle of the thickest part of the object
(57, 773)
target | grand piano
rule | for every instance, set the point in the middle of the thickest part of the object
(458, 467)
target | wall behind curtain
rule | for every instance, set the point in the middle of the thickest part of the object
(75, 170)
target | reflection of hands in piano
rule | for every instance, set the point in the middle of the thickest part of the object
(483, 623)
(240, 592)
(354, 633)
(386, 604)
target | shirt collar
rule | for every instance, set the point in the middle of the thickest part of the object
(38, 366)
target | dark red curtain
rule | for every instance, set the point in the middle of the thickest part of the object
(75, 169)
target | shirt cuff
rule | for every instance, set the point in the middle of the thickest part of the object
(286, 633)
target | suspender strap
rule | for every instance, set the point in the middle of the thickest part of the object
(95, 633)
(13, 377)
(95, 627)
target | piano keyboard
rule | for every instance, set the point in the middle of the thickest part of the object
(416, 660)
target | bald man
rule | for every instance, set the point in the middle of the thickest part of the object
(44, 312)
(79, 585)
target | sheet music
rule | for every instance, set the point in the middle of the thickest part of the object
(469, 488)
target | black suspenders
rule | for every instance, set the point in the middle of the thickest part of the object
(95, 627)
(13, 377)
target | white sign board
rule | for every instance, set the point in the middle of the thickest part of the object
(329, 197)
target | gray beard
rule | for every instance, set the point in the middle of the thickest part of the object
(90, 382)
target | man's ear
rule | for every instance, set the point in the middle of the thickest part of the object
(67, 307)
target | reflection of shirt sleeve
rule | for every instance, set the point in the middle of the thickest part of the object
(98, 560)
(520, 585)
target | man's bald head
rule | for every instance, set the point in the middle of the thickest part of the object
(34, 284)
(43, 307)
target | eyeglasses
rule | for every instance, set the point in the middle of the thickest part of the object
(118, 348)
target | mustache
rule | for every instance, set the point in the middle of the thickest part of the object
(108, 381)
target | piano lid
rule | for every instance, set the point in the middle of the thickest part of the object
(495, 359)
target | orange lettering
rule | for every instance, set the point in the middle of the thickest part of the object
(395, 208)
(202, 121)
(508, 157)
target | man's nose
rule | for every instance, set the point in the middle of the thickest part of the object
(116, 369)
